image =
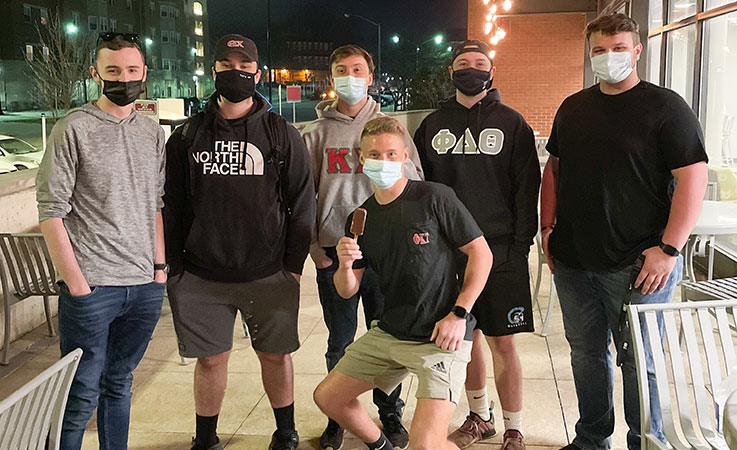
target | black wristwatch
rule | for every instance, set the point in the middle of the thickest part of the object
(668, 249)
(460, 312)
(162, 267)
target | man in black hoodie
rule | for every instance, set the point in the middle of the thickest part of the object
(485, 151)
(238, 215)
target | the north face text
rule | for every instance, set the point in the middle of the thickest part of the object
(228, 159)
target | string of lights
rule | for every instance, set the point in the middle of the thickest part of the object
(491, 27)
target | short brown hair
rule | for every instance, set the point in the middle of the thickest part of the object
(383, 125)
(345, 51)
(117, 43)
(612, 24)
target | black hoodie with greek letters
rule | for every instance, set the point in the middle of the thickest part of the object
(487, 155)
(223, 216)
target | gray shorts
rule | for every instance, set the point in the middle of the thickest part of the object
(204, 313)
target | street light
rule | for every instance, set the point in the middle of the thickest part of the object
(378, 27)
(438, 39)
(71, 28)
(194, 51)
(199, 72)
(395, 39)
(149, 41)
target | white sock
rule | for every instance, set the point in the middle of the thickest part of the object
(478, 402)
(512, 420)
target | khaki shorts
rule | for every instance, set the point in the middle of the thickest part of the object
(383, 360)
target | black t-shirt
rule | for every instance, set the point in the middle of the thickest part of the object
(615, 184)
(411, 243)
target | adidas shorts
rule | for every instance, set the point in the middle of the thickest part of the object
(379, 358)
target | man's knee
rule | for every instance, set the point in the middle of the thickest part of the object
(214, 362)
(273, 359)
(425, 441)
(503, 346)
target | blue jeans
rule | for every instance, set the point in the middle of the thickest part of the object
(112, 325)
(341, 318)
(591, 302)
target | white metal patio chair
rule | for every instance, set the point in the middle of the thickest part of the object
(31, 417)
(28, 263)
(538, 281)
(692, 376)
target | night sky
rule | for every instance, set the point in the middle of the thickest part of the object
(322, 20)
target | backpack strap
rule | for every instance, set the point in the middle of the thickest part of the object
(277, 128)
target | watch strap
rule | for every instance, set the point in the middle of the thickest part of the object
(668, 249)
(460, 312)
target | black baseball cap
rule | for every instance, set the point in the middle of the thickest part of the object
(471, 45)
(236, 43)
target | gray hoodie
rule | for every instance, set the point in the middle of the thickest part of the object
(333, 141)
(104, 176)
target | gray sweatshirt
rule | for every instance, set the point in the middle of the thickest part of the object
(104, 176)
(333, 141)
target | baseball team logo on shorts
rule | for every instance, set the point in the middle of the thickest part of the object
(516, 317)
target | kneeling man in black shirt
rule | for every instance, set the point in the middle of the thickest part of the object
(412, 231)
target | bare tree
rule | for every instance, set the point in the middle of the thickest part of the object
(59, 71)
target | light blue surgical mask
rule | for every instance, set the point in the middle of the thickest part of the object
(383, 174)
(612, 67)
(351, 89)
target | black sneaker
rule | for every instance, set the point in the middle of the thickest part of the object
(571, 446)
(332, 437)
(284, 440)
(215, 446)
(395, 431)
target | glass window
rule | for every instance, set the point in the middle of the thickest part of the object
(680, 61)
(680, 9)
(718, 90)
(92, 23)
(29, 52)
(198, 27)
(26, 14)
(653, 59)
(197, 6)
(714, 3)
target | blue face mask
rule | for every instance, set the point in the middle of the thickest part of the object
(384, 174)
(351, 89)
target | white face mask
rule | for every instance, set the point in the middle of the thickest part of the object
(612, 67)
(383, 174)
(351, 89)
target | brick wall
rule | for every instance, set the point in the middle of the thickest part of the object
(539, 63)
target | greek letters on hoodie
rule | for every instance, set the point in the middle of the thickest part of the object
(487, 155)
(223, 218)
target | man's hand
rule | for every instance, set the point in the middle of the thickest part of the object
(656, 270)
(348, 251)
(449, 332)
(545, 238)
(323, 262)
(160, 276)
(79, 291)
(296, 276)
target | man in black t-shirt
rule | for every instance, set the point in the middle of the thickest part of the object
(412, 232)
(608, 196)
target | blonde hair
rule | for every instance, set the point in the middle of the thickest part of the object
(383, 125)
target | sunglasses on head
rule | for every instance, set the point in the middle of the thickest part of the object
(109, 36)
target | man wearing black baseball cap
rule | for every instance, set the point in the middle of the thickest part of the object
(485, 151)
(238, 215)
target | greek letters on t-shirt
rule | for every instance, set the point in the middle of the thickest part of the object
(337, 161)
(228, 158)
(491, 142)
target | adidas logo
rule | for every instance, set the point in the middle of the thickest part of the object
(439, 367)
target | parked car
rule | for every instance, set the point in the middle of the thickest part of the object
(6, 167)
(19, 153)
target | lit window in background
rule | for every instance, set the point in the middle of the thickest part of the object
(198, 27)
(197, 7)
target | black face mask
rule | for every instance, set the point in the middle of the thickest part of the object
(122, 93)
(235, 85)
(471, 81)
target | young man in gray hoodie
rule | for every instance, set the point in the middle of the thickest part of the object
(333, 141)
(99, 192)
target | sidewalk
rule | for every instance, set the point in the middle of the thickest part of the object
(162, 415)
